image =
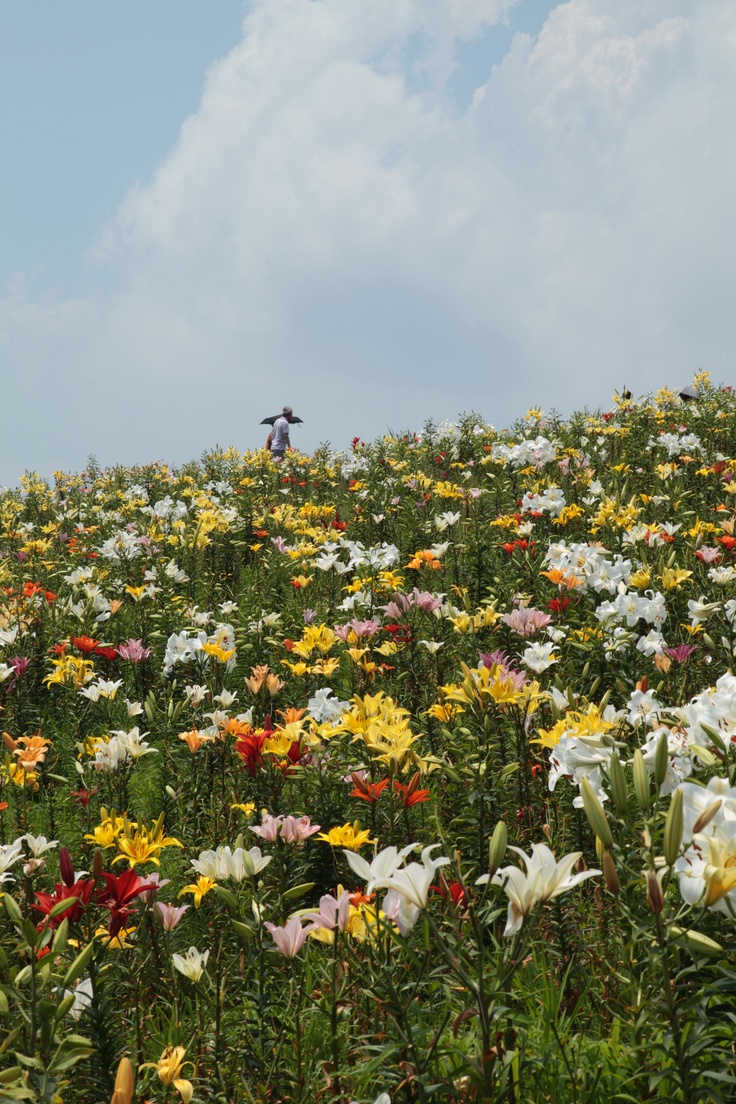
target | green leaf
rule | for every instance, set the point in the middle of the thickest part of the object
(10, 1038)
(71, 1057)
(79, 965)
(12, 908)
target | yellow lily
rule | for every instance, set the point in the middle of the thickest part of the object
(349, 836)
(198, 889)
(169, 1067)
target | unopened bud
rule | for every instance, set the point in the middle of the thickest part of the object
(673, 827)
(655, 897)
(610, 874)
(706, 816)
(660, 759)
(9, 741)
(123, 1092)
(595, 814)
(617, 779)
(66, 867)
(696, 942)
(641, 781)
(497, 846)
(97, 865)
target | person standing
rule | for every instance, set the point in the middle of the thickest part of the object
(280, 435)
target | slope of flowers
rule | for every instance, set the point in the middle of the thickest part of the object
(402, 774)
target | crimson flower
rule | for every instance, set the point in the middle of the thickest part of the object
(250, 749)
(558, 605)
(452, 891)
(82, 797)
(401, 632)
(77, 894)
(119, 891)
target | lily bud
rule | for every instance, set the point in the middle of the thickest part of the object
(673, 827)
(641, 781)
(66, 867)
(610, 874)
(595, 814)
(97, 865)
(655, 897)
(497, 846)
(696, 942)
(123, 1093)
(660, 759)
(706, 816)
(600, 850)
(617, 779)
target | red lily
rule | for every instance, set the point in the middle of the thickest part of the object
(410, 795)
(250, 750)
(119, 891)
(558, 605)
(367, 791)
(78, 896)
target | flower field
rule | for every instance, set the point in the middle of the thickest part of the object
(402, 774)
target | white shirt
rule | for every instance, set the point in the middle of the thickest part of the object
(280, 434)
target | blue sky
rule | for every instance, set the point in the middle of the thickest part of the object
(380, 211)
(92, 97)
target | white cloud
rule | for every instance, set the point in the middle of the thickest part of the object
(331, 230)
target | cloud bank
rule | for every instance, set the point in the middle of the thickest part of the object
(333, 229)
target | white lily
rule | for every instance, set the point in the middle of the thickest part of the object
(191, 964)
(414, 880)
(544, 879)
(383, 865)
